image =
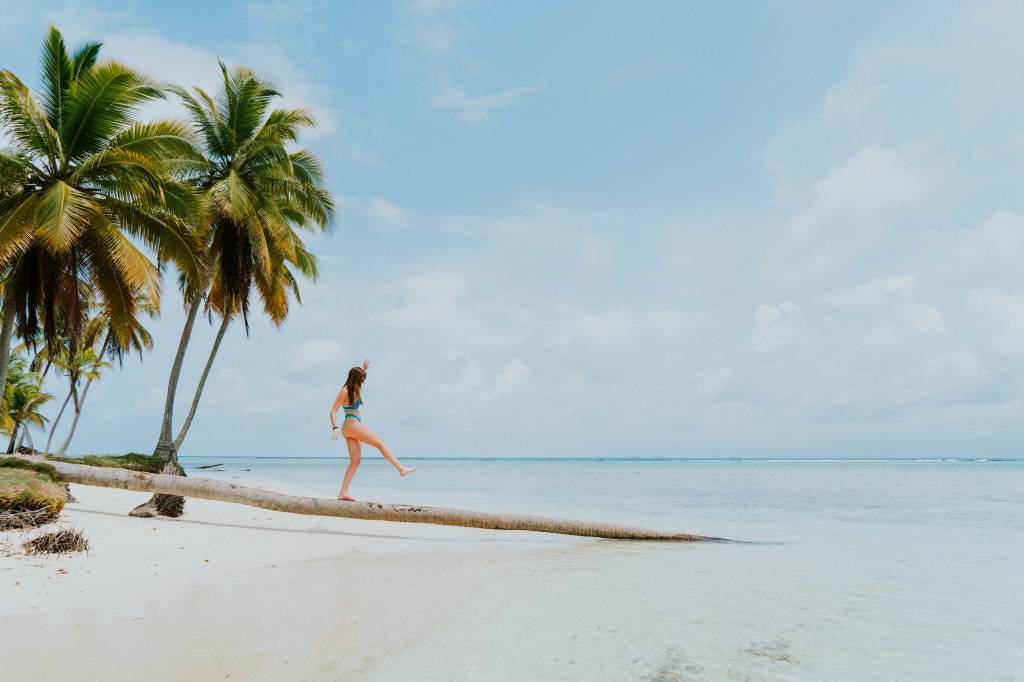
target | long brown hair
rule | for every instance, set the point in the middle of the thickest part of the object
(354, 384)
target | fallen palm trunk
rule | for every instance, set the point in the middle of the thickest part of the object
(208, 489)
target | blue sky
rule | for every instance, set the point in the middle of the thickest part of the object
(601, 228)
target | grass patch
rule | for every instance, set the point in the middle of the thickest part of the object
(19, 463)
(63, 541)
(135, 461)
(24, 489)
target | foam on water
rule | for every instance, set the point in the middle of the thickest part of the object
(861, 570)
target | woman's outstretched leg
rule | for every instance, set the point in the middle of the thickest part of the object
(367, 436)
(355, 455)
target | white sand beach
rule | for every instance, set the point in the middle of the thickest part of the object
(232, 592)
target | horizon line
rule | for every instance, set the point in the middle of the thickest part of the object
(962, 458)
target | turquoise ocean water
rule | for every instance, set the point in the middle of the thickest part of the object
(856, 569)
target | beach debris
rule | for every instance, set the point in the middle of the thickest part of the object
(63, 541)
(26, 519)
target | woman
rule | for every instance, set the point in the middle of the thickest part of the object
(350, 399)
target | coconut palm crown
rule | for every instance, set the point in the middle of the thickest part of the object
(86, 182)
(256, 194)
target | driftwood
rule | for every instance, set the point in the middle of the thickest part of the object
(208, 489)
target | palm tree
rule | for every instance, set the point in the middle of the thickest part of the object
(256, 194)
(84, 183)
(139, 340)
(275, 300)
(83, 363)
(23, 396)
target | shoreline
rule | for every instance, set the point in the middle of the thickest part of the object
(848, 592)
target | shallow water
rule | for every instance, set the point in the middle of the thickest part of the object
(856, 570)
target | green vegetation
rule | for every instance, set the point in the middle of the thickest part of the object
(96, 205)
(85, 181)
(28, 489)
(135, 461)
(257, 192)
(22, 399)
(19, 463)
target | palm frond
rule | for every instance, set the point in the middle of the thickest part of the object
(58, 72)
(62, 215)
(26, 122)
(284, 125)
(120, 272)
(17, 228)
(101, 103)
(85, 58)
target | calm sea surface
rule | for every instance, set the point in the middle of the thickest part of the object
(855, 570)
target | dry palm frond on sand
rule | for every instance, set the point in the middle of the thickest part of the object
(63, 541)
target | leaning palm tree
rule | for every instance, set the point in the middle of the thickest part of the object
(85, 184)
(208, 489)
(256, 195)
(281, 283)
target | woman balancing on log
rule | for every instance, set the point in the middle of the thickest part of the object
(350, 399)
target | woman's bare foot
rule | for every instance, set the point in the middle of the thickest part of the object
(347, 498)
(406, 472)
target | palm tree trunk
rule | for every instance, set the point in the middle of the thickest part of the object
(14, 435)
(159, 504)
(6, 332)
(225, 321)
(164, 445)
(53, 426)
(21, 439)
(80, 402)
(208, 489)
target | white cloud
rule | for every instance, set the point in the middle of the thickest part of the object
(316, 354)
(927, 319)
(776, 326)
(953, 57)
(1006, 311)
(851, 208)
(481, 108)
(514, 376)
(849, 100)
(423, 299)
(189, 65)
(432, 25)
(438, 30)
(379, 211)
(874, 292)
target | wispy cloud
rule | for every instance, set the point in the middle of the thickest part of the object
(852, 207)
(438, 30)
